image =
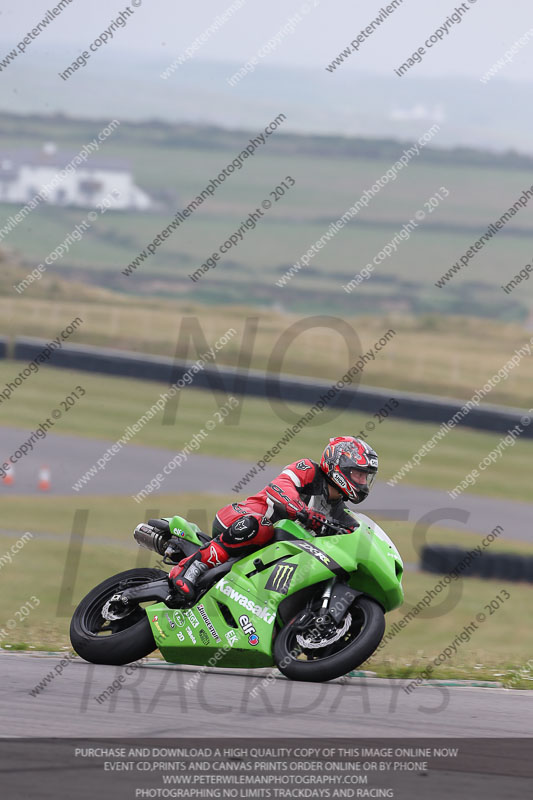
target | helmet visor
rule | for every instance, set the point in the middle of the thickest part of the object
(360, 477)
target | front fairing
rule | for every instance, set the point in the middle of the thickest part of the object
(367, 557)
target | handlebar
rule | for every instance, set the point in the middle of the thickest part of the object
(335, 527)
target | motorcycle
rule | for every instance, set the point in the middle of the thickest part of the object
(313, 605)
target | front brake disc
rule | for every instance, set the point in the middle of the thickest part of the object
(315, 642)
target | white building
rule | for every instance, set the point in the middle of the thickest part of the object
(23, 173)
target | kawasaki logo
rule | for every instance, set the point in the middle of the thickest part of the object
(246, 602)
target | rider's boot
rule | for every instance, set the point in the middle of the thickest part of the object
(185, 575)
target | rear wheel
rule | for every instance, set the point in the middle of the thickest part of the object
(116, 641)
(321, 653)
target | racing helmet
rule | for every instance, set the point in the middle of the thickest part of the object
(351, 465)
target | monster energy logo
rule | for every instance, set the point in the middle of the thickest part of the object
(280, 577)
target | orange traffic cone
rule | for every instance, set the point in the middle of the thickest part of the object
(44, 479)
(9, 478)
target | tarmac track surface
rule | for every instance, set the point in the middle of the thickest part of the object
(168, 701)
(69, 457)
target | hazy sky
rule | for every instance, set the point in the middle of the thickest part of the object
(164, 28)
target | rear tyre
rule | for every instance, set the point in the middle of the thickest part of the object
(120, 641)
(333, 660)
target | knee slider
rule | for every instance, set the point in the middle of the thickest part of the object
(242, 530)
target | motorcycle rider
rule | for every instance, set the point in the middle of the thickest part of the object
(312, 491)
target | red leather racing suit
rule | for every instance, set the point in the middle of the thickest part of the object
(300, 484)
(241, 528)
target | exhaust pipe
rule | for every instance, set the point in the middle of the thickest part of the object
(151, 538)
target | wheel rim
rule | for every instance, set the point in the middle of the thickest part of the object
(302, 654)
(93, 623)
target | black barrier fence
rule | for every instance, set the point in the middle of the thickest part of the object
(443, 559)
(266, 768)
(253, 383)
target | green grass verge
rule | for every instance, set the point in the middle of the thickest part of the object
(498, 649)
(124, 401)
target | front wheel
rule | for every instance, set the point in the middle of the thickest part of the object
(118, 641)
(321, 655)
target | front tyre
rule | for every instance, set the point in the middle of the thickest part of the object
(119, 641)
(308, 656)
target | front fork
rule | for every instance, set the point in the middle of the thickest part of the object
(337, 598)
(326, 596)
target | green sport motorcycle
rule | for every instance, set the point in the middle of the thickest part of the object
(311, 605)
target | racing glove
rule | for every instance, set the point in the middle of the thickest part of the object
(312, 519)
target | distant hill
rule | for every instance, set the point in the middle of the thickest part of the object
(160, 133)
(175, 161)
(496, 116)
